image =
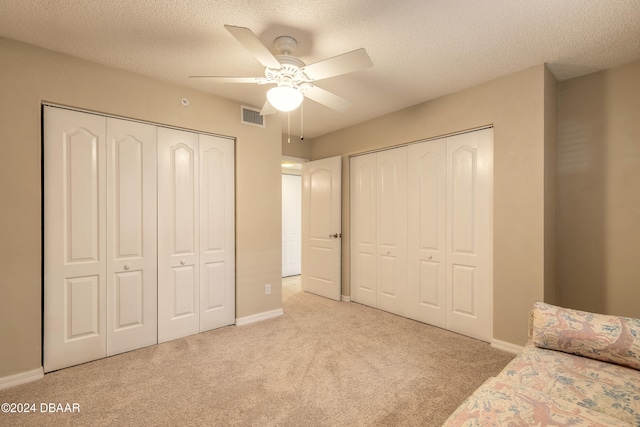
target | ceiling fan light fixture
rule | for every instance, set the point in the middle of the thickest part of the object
(285, 98)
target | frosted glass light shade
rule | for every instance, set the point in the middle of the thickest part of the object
(285, 98)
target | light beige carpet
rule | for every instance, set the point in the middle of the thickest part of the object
(323, 363)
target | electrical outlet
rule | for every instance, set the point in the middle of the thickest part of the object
(267, 289)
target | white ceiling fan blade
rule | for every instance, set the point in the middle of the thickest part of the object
(253, 44)
(342, 64)
(268, 109)
(327, 98)
(218, 79)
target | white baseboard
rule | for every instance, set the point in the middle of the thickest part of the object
(346, 298)
(21, 378)
(259, 317)
(506, 346)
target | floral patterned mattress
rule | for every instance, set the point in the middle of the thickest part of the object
(578, 369)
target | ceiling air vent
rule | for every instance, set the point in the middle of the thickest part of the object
(251, 116)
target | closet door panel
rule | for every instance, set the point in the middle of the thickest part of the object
(463, 179)
(463, 194)
(132, 236)
(183, 294)
(391, 200)
(178, 235)
(428, 291)
(363, 229)
(464, 290)
(128, 304)
(216, 228)
(74, 238)
(469, 198)
(427, 231)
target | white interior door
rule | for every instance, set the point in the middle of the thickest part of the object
(391, 183)
(217, 237)
(321, 227)
(74, 238)
(291, 225)
(178, 236)
(469, 234)
(427, 204)
(363, 208)
(132, 304)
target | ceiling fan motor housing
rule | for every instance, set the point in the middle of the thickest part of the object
(291, 71)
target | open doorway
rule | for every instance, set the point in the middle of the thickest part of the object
(291, 216)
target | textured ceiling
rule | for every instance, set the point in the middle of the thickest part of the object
(421, 49)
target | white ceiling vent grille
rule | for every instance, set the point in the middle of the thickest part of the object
(251, 116)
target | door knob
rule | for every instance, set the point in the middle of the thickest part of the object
(333, 236)
(127, 266)
(430, 256)
(182, 262)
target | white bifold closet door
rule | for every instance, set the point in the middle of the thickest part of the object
(196, 280)
(450, 223)
(132, 271)
(391, 225)
(379, 230)
(469, 273)
(427, 242)
(99, 237)
(440, 208)
(133, 253)
(364, 229)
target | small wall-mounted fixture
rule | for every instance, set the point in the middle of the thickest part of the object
(184, 102)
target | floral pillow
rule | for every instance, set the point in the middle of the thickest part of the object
(597, 336)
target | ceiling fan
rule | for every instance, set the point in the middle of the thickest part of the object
(293, 79)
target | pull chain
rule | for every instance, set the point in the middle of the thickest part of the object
(289, 128)
(302, 121)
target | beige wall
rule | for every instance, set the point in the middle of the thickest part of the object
(551, 291)
(29, 75)
(515, 105)
(599, 191)
(296, 148)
